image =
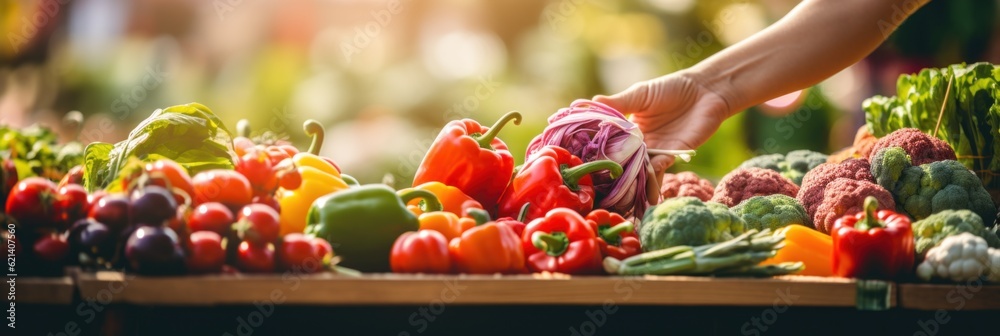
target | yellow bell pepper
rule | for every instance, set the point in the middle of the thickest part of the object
(319, 178)
(811, 247)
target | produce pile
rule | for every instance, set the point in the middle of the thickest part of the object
(184, 195)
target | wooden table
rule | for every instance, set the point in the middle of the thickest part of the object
(50, 291)
(973, 295)
(539, 289)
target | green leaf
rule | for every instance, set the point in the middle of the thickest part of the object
(96, 158)
(189, 134)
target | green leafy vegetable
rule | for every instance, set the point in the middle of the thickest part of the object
(970, 122)
(189, 134)
(36, 151)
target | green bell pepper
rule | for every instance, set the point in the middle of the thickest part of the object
(362, 223)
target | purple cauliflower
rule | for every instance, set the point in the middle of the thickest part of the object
(744, 183)
(844, 197)
(816, 180)
(921, 147)
(686, 184)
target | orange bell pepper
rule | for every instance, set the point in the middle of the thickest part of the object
(811, 247)
(486, 249)
(451, 198)
(448, 224)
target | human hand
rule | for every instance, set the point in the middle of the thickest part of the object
(673, 112)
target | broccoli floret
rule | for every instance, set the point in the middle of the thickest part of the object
(687, 221)
(929, 231)
(771, 212)
(743, 183)
(932, 187)
(921, 147)
(686, 184)
(793, 166)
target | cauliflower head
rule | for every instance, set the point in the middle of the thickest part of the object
(771, 212)
(686, 184)
(962, 257)
(687, 221)
(929, 231)
(932, 187)
(743, 183)
(793, 165)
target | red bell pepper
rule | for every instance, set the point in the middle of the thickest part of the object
(553, 178)
(487, 248)
(873, 245)
(516, 224)
(615, 235)
(561, 242)
(424, 251)
(470, 157)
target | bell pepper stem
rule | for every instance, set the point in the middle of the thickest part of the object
(430, 201)
(243, 128)
(480, 215)
(572, 176)
(870, 221)
(315, 130)
(613, 233)
(554, 244)
(350, 180)
(486, 140)
(523, 214)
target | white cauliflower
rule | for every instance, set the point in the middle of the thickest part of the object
(958, 258)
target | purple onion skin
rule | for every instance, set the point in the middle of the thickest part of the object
(594, 131)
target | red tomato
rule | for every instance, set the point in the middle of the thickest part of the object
(224, 186)
(176, 175)
(257, 168)
(298, 253)
(268, 201)
(71, 205)
(323, 249)
(424, 251)
(242, 145)
(93, 198)
(51, 248)
(258, 224)
(205, 253)
(290, 179)
(288, 149)
(31, 202)
(277, 154)
(211, 216)
(253, 258)
(73, 176)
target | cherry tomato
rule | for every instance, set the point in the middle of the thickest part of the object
(175, 174)
(258, 224)
(298, 253)
(51, 248)
(290, 179)
(211, 216)
(277, 154)
(242, 145)
(253, 258)
(424, 251)
(205, 253)
(73, 176)
(267, 200)
(71, 204)
(288, 149)
(31, 202)
(224, 186)
(323, 249)
(93, 198)
(257, 168)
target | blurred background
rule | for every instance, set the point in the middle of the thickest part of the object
(385, 76)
